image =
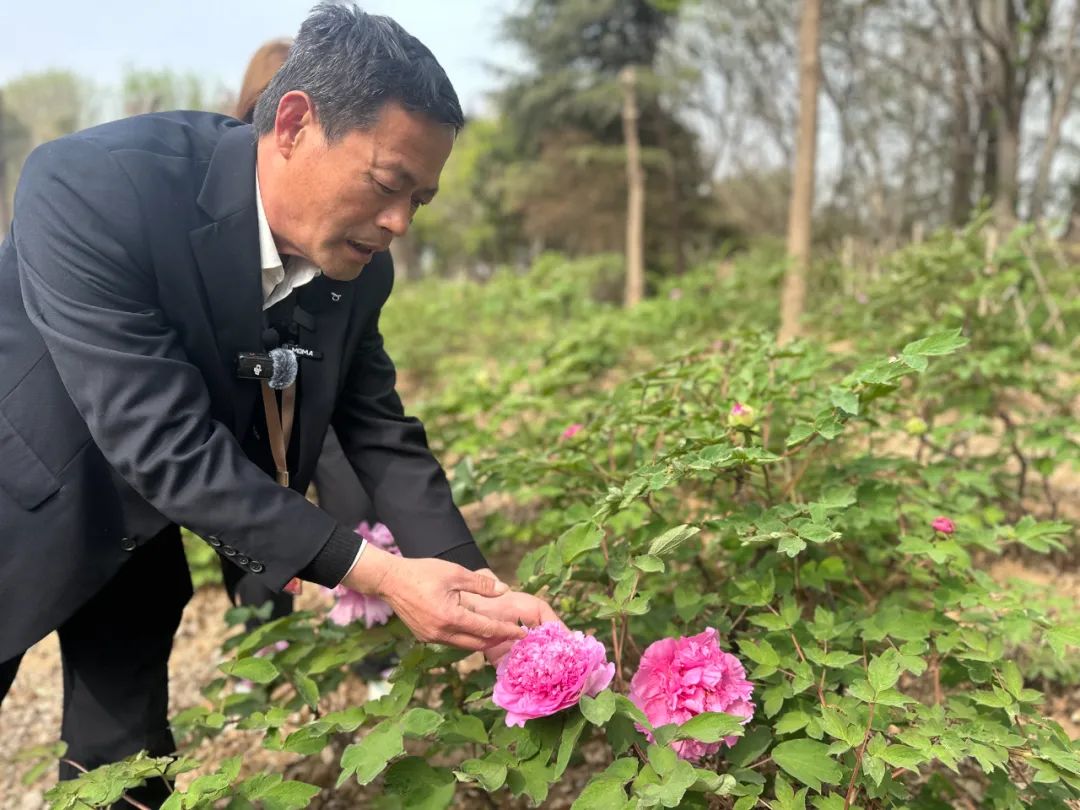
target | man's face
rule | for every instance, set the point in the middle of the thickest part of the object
(340, 202)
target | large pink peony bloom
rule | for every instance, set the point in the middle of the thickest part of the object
(549, 670)
(680, 678)
(350, 605)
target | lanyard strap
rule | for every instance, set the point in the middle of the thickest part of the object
(279, 427)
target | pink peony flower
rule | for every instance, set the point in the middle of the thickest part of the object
(943, 525)
(679, 678)
(549, 670)
(572, 431)
(350, 605)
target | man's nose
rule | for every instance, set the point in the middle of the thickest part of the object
(396, 219)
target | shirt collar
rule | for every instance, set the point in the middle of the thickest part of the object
(269, 257)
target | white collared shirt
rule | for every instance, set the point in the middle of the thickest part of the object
(279, 278)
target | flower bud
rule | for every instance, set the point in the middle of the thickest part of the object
(943, 525)
(915, 426)
(740, 416)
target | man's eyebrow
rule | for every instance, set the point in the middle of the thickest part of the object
(405, 175)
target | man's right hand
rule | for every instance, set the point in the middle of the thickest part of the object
(426, 594)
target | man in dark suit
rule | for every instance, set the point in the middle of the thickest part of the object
(144, 256)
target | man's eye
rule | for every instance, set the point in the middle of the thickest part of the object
(385, 189)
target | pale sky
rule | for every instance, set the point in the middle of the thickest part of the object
(215, 38)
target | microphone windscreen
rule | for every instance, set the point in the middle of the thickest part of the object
(285, 368)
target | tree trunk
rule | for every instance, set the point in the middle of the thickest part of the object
(678, 249)
(963, 141)
(1070, 71)
(793, 298)
(635, 197)
(1008, 165)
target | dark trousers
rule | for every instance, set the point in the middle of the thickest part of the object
(340, 494)
(115, 656)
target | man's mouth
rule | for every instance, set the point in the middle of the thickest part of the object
(362, 250)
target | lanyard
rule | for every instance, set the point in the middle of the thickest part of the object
(279, 429)
(279, 426)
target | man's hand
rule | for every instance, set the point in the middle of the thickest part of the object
(429, 594)
(514, 606)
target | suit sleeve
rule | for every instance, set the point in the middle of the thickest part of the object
(390, 453)
(88, 286)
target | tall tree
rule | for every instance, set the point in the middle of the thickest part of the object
(564, 110)
(793, 298)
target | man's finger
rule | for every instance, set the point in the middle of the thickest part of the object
(489, 573)
(546, 613)
(481, 584)
(486, 629)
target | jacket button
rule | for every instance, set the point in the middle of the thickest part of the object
(256, 567)
(228, 551)
(212, 540)
(242, 560)
(127, 544)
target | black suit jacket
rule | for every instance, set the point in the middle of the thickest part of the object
(128, 284)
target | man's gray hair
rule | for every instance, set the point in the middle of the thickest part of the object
(350, 64)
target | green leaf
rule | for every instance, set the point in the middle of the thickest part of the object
(710, 727)
(625, 707)
(847, 401)
(1063, 636)
(601, 794)
(1011, 677)
(490, 774)
(649, 564)
(883, 671)
(258, 670)
(291, 795)
(902, 756)
(790, 545)
(760, 652)
(937, 344)
(808, 761)
(671, 540)
(308, 740)
(420, 722)
(463, 728)
(368, 758)
(598, 710)
(579, 540)
(791, 721)
(571, 733)
(676, 783)
(420, 786)
(662, 758)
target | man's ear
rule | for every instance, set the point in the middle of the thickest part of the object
(294, 121)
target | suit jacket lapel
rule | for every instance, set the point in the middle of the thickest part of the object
(227, 252)
(330, 303)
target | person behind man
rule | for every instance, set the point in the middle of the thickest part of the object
(150, 265)
(338, 489)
